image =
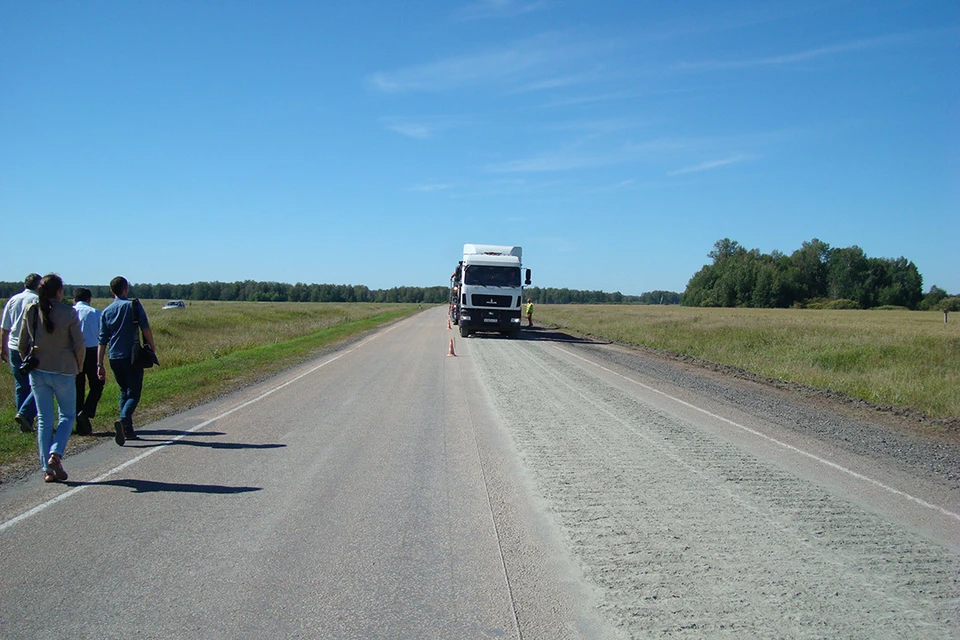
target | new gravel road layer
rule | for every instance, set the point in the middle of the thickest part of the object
(693, 523)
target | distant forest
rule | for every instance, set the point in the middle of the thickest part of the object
(573, 296)
(816, 275)
(253, 291)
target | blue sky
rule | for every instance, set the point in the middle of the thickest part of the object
(366, 142)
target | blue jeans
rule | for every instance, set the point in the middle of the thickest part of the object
(23, 395)
(53, 433)
(130, 380)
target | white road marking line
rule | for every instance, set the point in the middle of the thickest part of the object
(75, 490)
(780, 443)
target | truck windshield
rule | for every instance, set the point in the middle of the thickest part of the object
(491, 276)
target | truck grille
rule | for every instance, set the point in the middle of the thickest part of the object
(477, 300)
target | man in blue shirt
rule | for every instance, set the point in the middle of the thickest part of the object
(9, 341)
(117, 334)
(90, 327)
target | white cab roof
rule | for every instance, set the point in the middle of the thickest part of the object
(492, 250)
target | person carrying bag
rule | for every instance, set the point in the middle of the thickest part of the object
(58, 346)
(121, 324)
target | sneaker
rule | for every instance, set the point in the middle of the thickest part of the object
(25, 425)
(120, 438)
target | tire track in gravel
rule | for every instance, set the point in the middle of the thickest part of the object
(686, 534)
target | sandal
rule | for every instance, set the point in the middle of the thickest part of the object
(56, 467)
(50, 476)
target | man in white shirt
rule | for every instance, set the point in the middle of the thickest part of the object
(90, 327)
(9, 343)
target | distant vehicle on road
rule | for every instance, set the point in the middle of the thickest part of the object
(486, 291)
(175, 304)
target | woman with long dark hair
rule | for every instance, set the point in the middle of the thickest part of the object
(51, 330)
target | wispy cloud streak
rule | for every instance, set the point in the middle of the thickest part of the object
(522, 63)
(799, 56)
(707, 166)
(485, 9)
(422, 128)
(430, 188)
(545, 163)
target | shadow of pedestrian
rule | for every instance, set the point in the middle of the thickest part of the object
(149, 486)
(146, 443)
(170, 433)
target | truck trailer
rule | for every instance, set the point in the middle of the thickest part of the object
(486, 289)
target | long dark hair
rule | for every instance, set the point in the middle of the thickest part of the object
(47, 292)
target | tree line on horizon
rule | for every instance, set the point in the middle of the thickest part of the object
(551, 295)
(815, 275)
(255, 291)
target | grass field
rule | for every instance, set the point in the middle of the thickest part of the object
(210, 348)
(896, 358)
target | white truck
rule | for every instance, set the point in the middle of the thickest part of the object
(486, 291)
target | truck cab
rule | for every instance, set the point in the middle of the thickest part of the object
(486, 290)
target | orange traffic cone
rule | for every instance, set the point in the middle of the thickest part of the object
(451, 348)
(448, 324)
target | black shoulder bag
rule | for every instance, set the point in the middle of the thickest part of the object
(31, 361)
(142, 355)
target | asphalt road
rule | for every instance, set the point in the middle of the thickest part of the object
(533, 488)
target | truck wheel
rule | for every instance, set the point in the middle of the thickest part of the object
(515, 334)
(464, 332)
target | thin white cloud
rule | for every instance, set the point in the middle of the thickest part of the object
(431, 188)
(799, 56)
(412, 130)
(707, 166)
(573, 157)
(508, 186)
(485, 9)
(545, 163)
(520, 64)
(421, 128)
(623, 185)
(560, 82)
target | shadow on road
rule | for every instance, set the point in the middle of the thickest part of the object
(170, 433)
(146, 443)
(548, 334)
(542, 334)
(149, 486)
(145, 440)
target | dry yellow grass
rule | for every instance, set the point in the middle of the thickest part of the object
(898, 358)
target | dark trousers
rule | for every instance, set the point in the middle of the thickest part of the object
(89, 374)
(130, 380)
(23, 394)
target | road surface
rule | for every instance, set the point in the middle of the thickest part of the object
(535, 488)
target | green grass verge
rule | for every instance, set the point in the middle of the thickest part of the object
(907, 359)
(211, 348)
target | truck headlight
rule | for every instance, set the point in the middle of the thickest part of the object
(466, 316)
(515, 320)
